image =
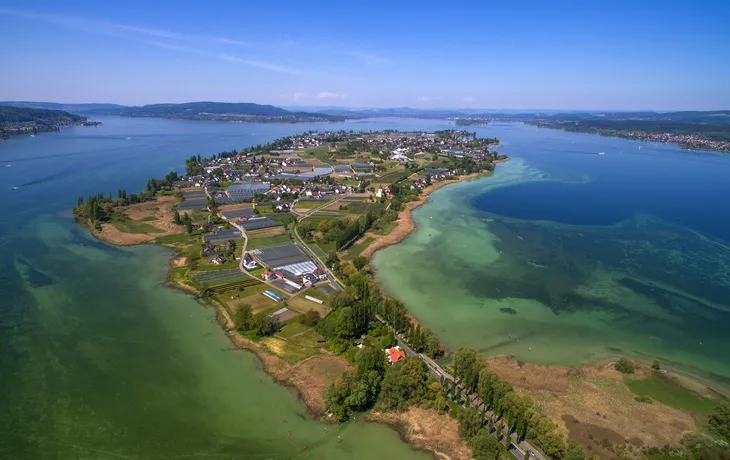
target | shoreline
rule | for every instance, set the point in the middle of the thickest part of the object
(405, 224)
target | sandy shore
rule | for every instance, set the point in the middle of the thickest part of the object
(405, 223)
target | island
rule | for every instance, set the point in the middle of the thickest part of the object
(278, 239)
(16, 120)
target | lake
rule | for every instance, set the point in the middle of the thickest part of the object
(574, 254)
(98, 359)
(568, 256)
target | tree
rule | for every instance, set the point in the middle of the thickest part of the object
(266, 325)
(467, 366)
(310, 318)
(370, 359)
(574, 452)
(719, 421)
(470, 422)
(188, 223)
(404, 384)
(176, 218)
(360, 262)
(243, 318)
(484, 446)
(625, 366)
(331, 258)
(655, 365)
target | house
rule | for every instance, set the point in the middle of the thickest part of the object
(320, 274)
(395, 354)
(309, 279)
(248, 262)
(268, 275)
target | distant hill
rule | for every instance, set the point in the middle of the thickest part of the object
(59, 106)
(217, 108)
(18, 120)
(27, 115)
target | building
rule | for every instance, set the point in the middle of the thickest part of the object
(248, 262)
(395, 354)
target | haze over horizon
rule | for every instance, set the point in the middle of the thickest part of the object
(559, 56)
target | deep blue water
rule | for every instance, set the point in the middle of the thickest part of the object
(688, 188)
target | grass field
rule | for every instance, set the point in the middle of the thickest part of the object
(392, 177)
(267, 241)
(127, 225)
(293, 327)
(361, 207)
(265, 208)
(300, 304)
(321, 152)
(387, 228)
(357, 249)
(309, 204)
(295, 349)
(671, 394)
(317, 251)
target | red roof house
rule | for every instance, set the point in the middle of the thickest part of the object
(395, 354)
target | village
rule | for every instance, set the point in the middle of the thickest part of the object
(283, 214)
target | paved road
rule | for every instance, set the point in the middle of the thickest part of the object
(516, 447)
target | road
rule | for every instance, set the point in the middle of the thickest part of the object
(516, 447)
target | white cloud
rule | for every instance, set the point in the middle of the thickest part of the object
(142, 34)
(423, 99)
(327, 95)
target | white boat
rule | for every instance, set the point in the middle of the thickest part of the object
(601, 153)
(15, 188)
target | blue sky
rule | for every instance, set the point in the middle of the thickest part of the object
(661, 55)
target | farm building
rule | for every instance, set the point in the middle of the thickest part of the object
(286, 257)
(283, 314)
(237, 214)
(257, 223)
(245, 191)
(222, 235)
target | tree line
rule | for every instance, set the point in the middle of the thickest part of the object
(517, 411)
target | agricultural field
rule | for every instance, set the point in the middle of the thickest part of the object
(361, 207)
(266, 238)
(217, 277)
(309, 204)
(235, 286)
(392, 177)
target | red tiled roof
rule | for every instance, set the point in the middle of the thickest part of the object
(396, 354)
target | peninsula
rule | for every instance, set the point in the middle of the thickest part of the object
(277, 239)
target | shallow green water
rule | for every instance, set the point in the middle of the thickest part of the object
(98, 359)
(111, 364)
(556, 293)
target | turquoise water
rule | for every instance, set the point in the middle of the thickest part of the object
(566, 256)
(98, 359)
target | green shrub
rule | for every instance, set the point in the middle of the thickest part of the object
(625, 366)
